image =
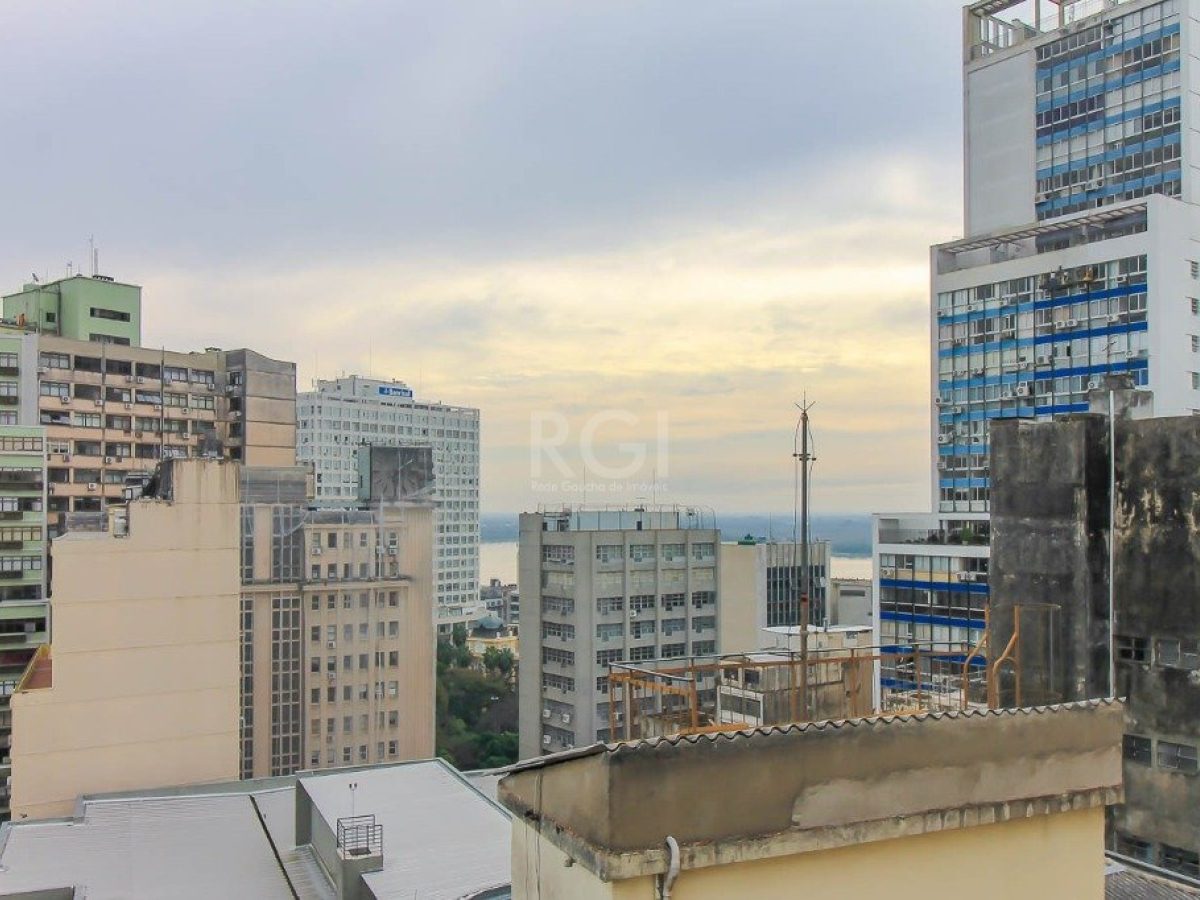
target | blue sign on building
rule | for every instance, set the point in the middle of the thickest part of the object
(387, 391)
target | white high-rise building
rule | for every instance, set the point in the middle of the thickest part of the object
(343, 414)
(1081, 259)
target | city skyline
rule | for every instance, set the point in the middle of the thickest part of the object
(690, 217)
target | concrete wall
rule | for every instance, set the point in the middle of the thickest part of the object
(743, 597)
(1046, 856)
(1050, 531)
(145, 654)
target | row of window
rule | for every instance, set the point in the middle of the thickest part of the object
(393, 750)
(331, 631)
(1176, 859)
(1169, 652)
(390, 658)
(703, 551)
(20, 444)
(388, 719)
(175, 374)
(1170, 755)
(1046, 286)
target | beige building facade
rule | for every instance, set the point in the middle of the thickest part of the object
(112, 412)
(338, 636)
(761, 588)
(990, 805)
(139, 686)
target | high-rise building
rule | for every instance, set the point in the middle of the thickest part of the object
(1079, 261)
(337, 628)
(140, 683)
(340, 416)
(601, 586)
(761, 587)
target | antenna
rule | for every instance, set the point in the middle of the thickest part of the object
(353, 790)
(93, 254)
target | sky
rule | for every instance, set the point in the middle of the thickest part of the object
(633, 234)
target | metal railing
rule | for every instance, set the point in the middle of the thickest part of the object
(359, 836)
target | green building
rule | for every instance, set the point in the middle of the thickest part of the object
(81, 308)
(24, 610)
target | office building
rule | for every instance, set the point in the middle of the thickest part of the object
(1051, 579)
(139, 686)
(390, 832)
(761, 587)
(337, 627)
(979, 804)
(601, 586)
(342, 415)
(1078, 262)
(98, 309)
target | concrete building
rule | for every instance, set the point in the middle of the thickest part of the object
(337, 628)
(761, 586)
(341, 415)
(1051, 577)
(1078, 262)
(987, 805)
(850, 602)
(390, 832)
(97, 309)
(602, 586)
(140, 684)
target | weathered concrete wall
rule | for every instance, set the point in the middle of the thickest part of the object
(731, 798)
(1050, 524)
(1049, 555)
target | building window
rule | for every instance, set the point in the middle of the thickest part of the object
(1185, 862)
(1137, 749)
(1176, 653)
(1178, 757)
(114, 315)
(609, 553)
(1133, 649)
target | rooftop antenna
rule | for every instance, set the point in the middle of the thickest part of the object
(800, 522)
(353, 790)
(93, 254)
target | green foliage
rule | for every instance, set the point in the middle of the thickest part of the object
(476, 710)
(458, 635)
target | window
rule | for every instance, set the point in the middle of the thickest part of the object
(1195, 306)
(1137, 749)
(558, 554)
(114, 315)
(1177, 653)
(1178, 757)
(54, 389)
(1133, 649)
(609, 553)
(1185, 862)
(641, 553)
(1195, 343)
(703, 552)
(55, 361)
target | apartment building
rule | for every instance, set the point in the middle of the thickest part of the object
(342, 415)
(337, 628)
(140, 683)
(601, 586)
(98, 309)
(762, 586)
(1078, 263)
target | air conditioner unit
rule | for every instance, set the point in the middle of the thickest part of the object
(158, 406)
(1114, 318)
(937, 401)
(98, 402)
(545, 713)
(566, 717)
(108, 460)
(391, 551)
(91, 485)
(633, 614)
(235, 414)
(129, 379)
(966, 576)
(942, 439)
(545, 740)
(136, 433)
(958, 409)
(185, 407)
(941, 464)
(1093, 385)
(316, 551)
(66, 401)
(141, 380)
(230, 388)
(42, 370)
(977, 371)
(1071, 323)
(331, 645)
(332, 676)
(1022, 390)
(1043, 360)
(129, 406)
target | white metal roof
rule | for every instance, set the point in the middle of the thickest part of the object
(184, 847)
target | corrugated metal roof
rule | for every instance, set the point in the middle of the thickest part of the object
(442, 839)
(794, 728)
(187, 847)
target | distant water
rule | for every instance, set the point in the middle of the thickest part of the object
(498, 559)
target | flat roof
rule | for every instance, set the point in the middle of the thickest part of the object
(442, 838)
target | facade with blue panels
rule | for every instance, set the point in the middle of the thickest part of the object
(1081, 260)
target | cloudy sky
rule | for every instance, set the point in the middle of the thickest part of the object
(691, 210)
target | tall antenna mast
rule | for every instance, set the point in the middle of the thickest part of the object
(804, 460)
(93, 254)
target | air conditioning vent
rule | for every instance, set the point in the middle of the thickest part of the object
(1022, 390)
(566, 717)
(141, 380)
(1093, 385)
(66, 401)
(545, 740)
(108, 460)
(91, 485)
(941, 464)
(129, 406)
(942, 439)
(545, 713)
(332, 645)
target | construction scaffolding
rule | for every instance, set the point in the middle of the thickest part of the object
(780, 687)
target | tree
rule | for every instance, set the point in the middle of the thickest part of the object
(458, 635)
(499, 660)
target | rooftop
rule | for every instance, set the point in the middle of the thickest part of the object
(767, 792)
(441, 838)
